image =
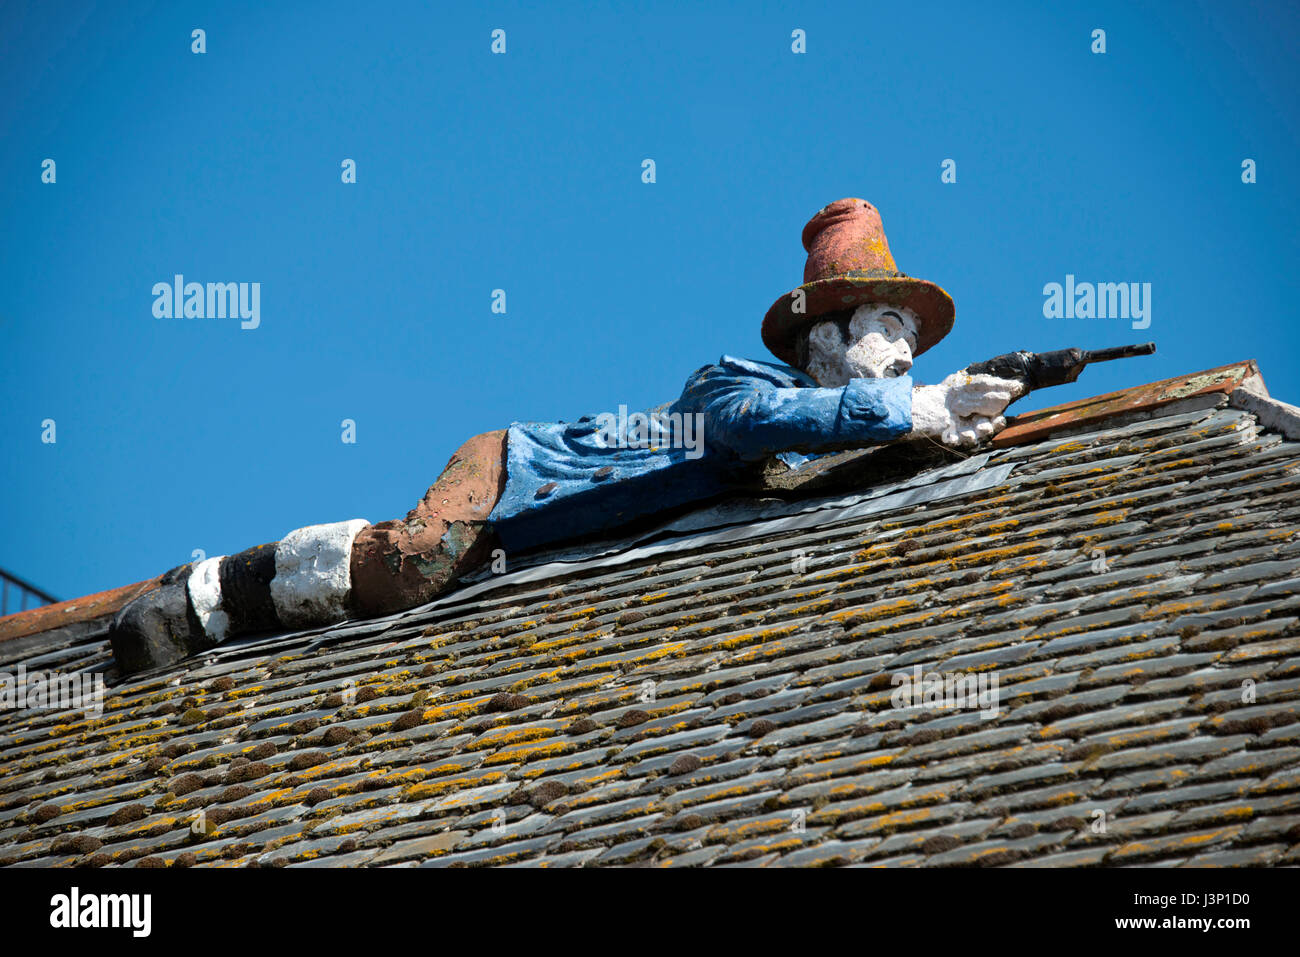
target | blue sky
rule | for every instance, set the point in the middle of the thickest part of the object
(522, 172)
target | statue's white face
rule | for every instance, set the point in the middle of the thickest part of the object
(881, 342)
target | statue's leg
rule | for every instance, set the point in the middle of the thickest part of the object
(323, 573)
(401, 564)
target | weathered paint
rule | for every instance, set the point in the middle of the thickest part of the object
(747, 410)
(849, 264)
(205, 598)
(312, 573)
(403, 563)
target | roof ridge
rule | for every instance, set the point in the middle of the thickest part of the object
(1146, 398)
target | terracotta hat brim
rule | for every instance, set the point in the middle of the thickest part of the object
(932, 305)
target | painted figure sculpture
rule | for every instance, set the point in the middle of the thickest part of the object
(847, 338)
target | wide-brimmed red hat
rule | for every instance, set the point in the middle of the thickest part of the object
(849, 264)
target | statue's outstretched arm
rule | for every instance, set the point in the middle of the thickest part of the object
(752, 418)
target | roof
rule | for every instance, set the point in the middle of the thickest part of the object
(722, 692)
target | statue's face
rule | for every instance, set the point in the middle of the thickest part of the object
(879, 344)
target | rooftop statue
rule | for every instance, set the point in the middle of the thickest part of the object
(846, 338)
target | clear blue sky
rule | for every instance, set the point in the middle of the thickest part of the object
(523, 172)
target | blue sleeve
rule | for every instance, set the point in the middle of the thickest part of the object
(753, 418)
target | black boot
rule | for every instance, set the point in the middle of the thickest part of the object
(159, 627)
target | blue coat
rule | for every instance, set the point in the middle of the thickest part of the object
(565, 480)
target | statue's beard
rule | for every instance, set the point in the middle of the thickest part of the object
(832, 366)
(831, 372)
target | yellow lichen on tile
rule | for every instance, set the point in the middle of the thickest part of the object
(1166, 466)
(739, 830)
(526, 752)
(545, 645)
(546, 677)
(126, 742)
(161, 823)
(760, 645)
(813, 607)
(1177, 842)
(331, 768)
(991, 556)
(891, 624)
(509, 734)
(272, 798)
(1028, 563)
(855, 570)
(436, 786)
(652, 653)
(886, 610)
(896, 819)
(453, 709)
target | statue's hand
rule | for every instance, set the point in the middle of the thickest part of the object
(963, 409)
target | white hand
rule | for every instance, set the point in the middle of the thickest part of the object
(963, 410)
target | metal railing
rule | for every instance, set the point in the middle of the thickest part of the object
(10, 583)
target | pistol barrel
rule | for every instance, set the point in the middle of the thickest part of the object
(1119, 352)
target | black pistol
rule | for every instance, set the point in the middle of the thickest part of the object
(1038, 370)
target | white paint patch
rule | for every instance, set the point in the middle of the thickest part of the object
(205, 595)
(313, 573)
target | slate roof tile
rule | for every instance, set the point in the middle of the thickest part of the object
(696, 858)
(915, 823)
(825, 789)
(1179, 843)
